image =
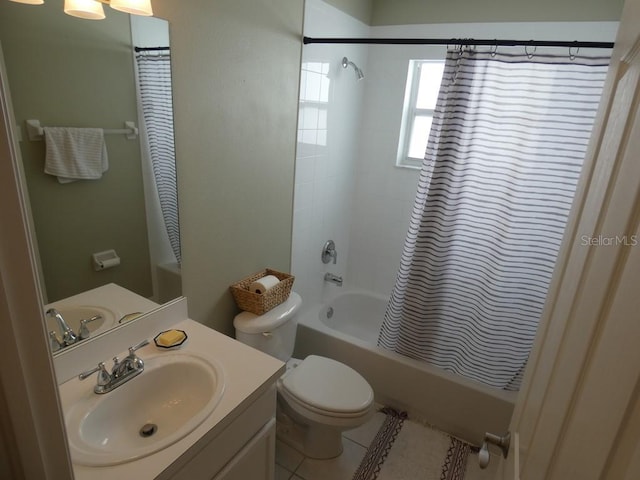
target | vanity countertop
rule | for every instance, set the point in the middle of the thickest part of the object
(248, 374)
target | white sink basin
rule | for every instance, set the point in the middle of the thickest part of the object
(174, 394)
(72, 314)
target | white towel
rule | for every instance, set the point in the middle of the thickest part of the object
(75, 153)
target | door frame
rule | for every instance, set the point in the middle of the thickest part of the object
(32, 424)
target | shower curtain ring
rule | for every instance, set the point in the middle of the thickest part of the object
(526, 51)
(494, 50)
(572, 56)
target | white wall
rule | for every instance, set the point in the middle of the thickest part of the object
(149, 31)
(358, 9)
(383, 194)
(326, 152)
(401, 12)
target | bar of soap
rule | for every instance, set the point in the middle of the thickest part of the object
(170, 338)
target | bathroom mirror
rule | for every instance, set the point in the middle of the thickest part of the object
(64, 71)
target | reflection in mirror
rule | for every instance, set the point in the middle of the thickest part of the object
(68, 72)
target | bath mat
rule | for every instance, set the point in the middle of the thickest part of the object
(455, 463)
(403, 448)
(381, 445)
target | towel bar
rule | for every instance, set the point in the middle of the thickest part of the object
(36, 132)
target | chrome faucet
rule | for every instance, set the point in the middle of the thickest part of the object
(121, 372)
(68, 337)
(331, 278)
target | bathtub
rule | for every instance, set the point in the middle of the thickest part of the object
(461, 407)
(168, 281)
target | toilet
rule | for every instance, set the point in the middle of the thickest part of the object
(318, 398)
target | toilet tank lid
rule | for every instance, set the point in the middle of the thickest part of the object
(247, 322)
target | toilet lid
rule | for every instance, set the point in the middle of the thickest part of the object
(328, 385)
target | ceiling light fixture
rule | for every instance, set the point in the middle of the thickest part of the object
(92, 9)
(29, 2)
(134, 7)
(89, 9)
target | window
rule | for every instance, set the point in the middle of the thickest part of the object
(314, 102)
(421, 94)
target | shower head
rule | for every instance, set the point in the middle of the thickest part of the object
(346, 62)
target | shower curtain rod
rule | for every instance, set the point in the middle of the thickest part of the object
(461, 41)
(150, 49)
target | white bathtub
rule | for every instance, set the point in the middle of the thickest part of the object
(168, 281)
(461, 407)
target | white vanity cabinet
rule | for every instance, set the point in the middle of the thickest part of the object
(256, 459)
(243, 450)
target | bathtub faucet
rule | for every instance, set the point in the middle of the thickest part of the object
(331, 278)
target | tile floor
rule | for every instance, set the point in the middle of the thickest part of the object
(292, 465)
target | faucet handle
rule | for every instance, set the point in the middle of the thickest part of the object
(136, 362)
(84, 331)
(133, 349)
(103, 376)
(54, 341)
(329, 252)
(88, 373)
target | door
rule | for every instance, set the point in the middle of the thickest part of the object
(578, 412)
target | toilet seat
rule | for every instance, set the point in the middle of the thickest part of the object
(327, 387)
(311, 413)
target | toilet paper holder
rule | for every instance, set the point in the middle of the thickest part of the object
(106, 259)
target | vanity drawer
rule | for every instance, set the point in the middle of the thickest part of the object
(224, 447)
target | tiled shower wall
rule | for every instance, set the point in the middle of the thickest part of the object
(328, 135)
(383, 193)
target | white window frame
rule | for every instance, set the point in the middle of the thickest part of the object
(410, 112)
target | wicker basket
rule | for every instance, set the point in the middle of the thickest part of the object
(260, 303)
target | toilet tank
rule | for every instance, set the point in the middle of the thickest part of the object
(273, 332)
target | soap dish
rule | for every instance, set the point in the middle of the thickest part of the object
(129, 316)
(165, 340)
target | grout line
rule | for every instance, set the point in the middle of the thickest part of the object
(344, 437)
(300, 464)
(304, 457)
(357, 443)
(294, 473)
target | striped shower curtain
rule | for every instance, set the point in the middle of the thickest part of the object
(505, 151)
(155, 97)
